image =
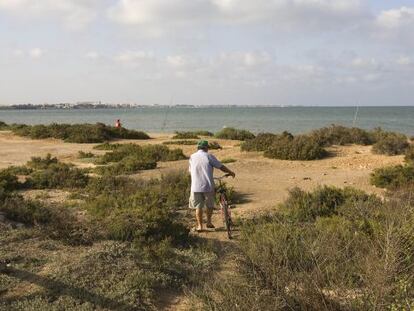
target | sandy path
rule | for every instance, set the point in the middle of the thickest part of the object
(263, 182)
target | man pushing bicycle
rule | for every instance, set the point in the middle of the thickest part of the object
(202, 165)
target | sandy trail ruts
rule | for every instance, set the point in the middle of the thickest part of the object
(264, 183)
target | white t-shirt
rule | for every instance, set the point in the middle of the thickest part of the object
(201, 168)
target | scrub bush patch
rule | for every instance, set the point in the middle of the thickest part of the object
(77, 133)
(234, 134)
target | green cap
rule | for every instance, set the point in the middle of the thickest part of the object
(202, 144)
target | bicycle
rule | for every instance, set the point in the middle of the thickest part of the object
(224, 205)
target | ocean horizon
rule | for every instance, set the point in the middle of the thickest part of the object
(158, 119)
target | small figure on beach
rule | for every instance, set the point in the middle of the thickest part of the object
(118, 123)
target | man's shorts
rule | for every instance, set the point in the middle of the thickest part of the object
(201, 200)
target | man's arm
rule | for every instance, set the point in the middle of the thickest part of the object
(225, 169)
(217, 164)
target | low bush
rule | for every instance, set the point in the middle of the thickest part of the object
(234, 134)
(349, 254)
(27, 212)
(128, 165)
(131, 158)
(107, 146)
(341, 135)
(409, 155)
(77, 133)
(8, 181)
(264, 141)
(3, 126)
(389, 143)
(181, 142)
(144, 215)
(185, 135)
(203, 133)
(298, 148)
(114, 185)
(213, 145)
(393, 177)
(322, 202)
(57, 176)
(40, 163)
(85, 155)
(19, 170)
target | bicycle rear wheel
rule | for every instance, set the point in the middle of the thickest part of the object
(227, 218)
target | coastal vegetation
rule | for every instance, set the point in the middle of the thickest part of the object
(234, 134)
(75, 133)
(312, 146)
(337, 248)
(191, 134)
(130, 244)
(131, 158)
(212, 145)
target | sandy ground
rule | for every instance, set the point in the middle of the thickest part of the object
(263, 183)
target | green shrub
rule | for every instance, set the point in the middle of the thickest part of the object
(26, 212)
(213, 145)
(297, 148)
(107, 146)
(147, 153)
(409, 154)
(354, 243)
(8, 181)
(393, 177)
(264, 141)
(181, 142)
(389, 143)
(128, 165)
(203, 133)
(111, 184)
(185, 135)
(141, 214)
(39, 163)
(3, 126)
(19, 170)
(322, 202)
(85, 155)
(234, 134)
(77, 133)
(58, 176)
(341, 135)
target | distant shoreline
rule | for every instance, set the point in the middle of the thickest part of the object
(127, 106)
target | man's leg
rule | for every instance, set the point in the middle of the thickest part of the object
(197, 203)
(199, 217)
(209, 197)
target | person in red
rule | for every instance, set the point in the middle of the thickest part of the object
(118, 124)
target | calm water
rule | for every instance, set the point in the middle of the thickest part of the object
(274, 119)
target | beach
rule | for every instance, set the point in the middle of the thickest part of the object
(263, 182)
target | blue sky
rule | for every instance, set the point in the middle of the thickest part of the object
(267, 52)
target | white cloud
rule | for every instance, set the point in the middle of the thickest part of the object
(396, 18)
(36, 53)
(92, 55)
(135, 57)
(365, 63)
(160, 15)
(18, 53)
(75, 14)
(405, 61)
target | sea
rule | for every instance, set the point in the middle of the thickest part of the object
(256, 119)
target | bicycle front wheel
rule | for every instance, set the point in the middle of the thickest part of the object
(226, 218)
